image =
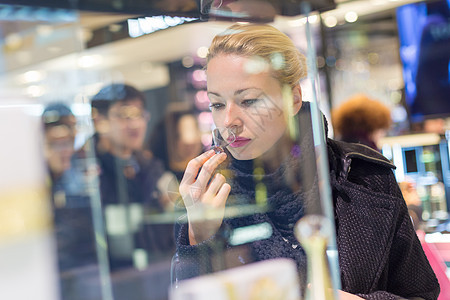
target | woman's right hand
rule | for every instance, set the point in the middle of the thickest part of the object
(204, 197)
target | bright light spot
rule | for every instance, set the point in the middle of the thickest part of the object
(399, 114)
(141, 26)
(330, 21)
(134, 30)
(32, 76)
(44, 30)
(205, 117)
(13, 41)
(89, 61)
(313, 19)
(173, 21)
(250, 233)
(298, 22)
(202, 100)
(351, 16)
(396, 97)
(206, 139)
(437, 237)
(256, 65)
(277, 61)
(157, 22)
(35, 91)
(378, 2)
(81, 109)
(202, 52)
(187, 62)
(199, 75)
(202, 97)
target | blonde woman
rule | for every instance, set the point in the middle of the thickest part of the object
(253, 74)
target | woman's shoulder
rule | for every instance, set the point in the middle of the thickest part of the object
(347, 152)
(361, 165)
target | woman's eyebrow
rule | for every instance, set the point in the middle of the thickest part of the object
(214, 94)
(244, 90)
(236, 93)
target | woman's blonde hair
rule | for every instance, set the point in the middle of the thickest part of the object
(266, 42)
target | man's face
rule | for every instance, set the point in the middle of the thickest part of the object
(59, 147)
(127, 124)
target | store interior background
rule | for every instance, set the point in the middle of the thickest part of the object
(56, 54)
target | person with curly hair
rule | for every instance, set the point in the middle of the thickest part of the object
(361, 119)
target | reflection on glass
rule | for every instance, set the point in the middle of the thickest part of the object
(222, 137)
(313, 232)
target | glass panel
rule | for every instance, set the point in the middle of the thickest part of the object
(158, 157)
(55, 228)
(115, 134)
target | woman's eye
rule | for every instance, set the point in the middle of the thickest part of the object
(216, 106)
(249, 102)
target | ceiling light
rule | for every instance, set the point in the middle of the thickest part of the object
(330, 21)
(298, 22)
(313, 19)
(89, 61)
(13, 41)
(351, 16)
(35, 90)
(32, 76)
(202, 52)
(378, 2)
(187, 61)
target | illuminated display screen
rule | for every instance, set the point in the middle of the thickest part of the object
(424, 34)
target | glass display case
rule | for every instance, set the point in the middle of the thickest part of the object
(109, 181)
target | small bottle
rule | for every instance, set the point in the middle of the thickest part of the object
(313, 232)
(222, 137)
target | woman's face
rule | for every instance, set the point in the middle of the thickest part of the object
(248, 102)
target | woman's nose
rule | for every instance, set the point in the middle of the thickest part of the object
(232, 116)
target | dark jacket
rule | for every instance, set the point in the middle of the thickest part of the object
(380, 256)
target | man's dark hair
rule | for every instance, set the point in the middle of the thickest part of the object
(114, 93)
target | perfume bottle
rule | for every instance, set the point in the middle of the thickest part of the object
(313, 232)
(222, 137)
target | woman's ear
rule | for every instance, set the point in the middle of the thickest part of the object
(297, 97)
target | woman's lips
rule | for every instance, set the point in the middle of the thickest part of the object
(240, 142)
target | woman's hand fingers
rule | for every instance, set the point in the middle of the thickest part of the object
(208, 168)
(213, 189)
(205, 225)
(205, 203)
(194, 166)
(222, 195)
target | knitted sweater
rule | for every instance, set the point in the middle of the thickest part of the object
(380, 256)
